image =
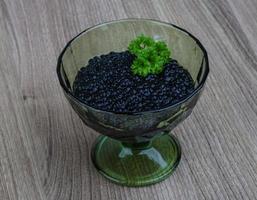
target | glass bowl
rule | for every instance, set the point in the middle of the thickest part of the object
(135, 149)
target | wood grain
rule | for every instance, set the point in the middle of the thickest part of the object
(45, 148)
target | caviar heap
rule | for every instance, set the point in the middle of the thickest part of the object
(115, 82)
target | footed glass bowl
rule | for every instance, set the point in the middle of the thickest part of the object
(135, 149)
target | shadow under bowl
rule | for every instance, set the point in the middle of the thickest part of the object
(136, 149)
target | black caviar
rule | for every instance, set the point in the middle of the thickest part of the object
(108, 84)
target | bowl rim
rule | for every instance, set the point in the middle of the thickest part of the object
(196, 90)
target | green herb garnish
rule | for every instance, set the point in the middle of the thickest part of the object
(151, 55)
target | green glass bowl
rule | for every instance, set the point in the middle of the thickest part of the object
(135, 149)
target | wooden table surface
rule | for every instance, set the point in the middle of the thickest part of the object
(44, 146)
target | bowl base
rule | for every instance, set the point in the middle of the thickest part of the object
(134, 167)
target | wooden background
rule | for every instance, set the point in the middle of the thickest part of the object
(44, 146)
